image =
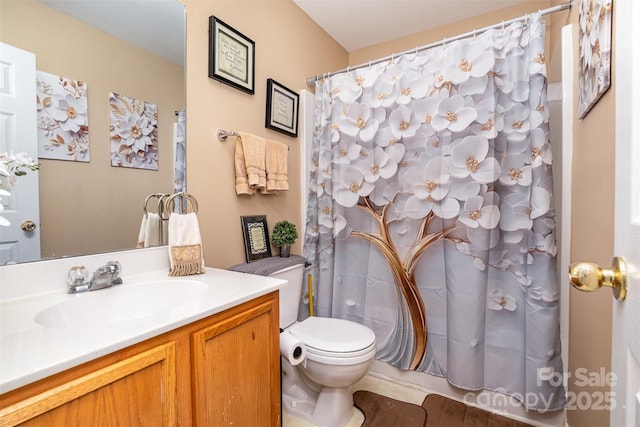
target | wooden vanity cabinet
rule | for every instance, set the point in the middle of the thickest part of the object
(219, 371)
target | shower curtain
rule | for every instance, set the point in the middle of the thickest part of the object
(180, 164)
(430, 213)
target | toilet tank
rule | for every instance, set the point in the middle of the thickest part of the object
(290, 294)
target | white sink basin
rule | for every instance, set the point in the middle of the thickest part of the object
(121, 303)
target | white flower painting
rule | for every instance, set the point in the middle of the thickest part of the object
(63, 123)
(594, 76)
(134, 132)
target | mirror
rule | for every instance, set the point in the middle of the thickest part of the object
(91, 206)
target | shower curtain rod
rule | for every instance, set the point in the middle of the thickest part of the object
(312, 80)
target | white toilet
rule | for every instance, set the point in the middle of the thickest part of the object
(338, 354)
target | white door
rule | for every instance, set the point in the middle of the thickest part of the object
(626, 314)
(18, 133)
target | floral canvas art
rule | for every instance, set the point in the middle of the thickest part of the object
(594, 75)
(63, 123)
(134, 133)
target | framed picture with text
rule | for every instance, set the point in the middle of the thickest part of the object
(231, 56)
(282, 109)
(256, 237)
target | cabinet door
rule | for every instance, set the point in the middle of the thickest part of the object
(236, 368)
(137, 391)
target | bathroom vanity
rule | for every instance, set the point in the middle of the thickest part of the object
(210, 359)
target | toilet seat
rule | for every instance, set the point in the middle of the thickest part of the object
(328, 339)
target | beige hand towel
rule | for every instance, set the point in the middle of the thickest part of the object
(276, 156)
(185, 245)
(253, 151)
(242, 181)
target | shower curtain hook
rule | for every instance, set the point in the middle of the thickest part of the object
(444, 42)
(502, 25)
(369, 64)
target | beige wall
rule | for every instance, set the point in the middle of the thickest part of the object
(289, 48)
(94, 207)
(592, 231)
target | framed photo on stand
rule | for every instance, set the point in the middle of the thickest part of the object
(231, 56)
(256, 237)
(282, 109)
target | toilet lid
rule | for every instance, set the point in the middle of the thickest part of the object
(333, 335)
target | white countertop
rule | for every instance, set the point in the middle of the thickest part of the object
(30, 351)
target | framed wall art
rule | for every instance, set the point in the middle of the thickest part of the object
(256, 237)
(134, 132)
(63, 118)
(594, 38)
(282, 109)
(231, 56)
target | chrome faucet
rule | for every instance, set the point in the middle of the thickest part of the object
(104, 277)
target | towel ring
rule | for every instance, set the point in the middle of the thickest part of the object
(185, 200)
(160, 197)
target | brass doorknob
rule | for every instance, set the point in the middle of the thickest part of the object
(589, 277)
(28, 226)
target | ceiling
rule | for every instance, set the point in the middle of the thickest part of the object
(356, 24)
(154, 25)
(159, 25)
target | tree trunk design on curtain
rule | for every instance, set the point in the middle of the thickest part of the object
(439, 164)
(403, 271)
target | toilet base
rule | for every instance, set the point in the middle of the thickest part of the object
(332, 407)
(328, 407)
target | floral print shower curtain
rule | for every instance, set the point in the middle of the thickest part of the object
(180, 165)
(431, 218)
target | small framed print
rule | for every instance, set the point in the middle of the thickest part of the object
(282, 109)
(231, 56)
(256, 237)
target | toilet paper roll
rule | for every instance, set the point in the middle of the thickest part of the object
(292, 349)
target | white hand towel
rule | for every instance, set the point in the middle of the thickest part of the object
(185, 245)
(143, 232)
(152, 234)
(152, 231)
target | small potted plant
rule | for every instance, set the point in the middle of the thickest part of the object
(283, 236)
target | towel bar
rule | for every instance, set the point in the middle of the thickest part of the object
(223, 134)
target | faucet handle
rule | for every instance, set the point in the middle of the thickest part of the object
(77, 275)
(117, 268)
